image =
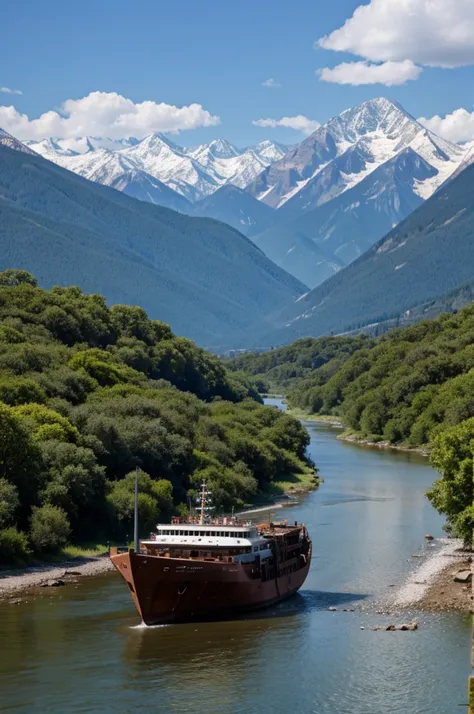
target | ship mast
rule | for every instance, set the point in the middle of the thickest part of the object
(203, 502)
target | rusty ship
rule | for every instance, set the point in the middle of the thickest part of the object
(203, 568)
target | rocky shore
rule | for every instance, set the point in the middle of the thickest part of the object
(432, 586)
(21, 580)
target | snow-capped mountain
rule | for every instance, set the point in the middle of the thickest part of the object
(193, 173)
(8, 140)
(348, 184)
(341, 153)
(80, 145)
(333, 195)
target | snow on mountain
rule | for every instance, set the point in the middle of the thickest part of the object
(229, 165)
(345, 150)
(161, 158)
(348, 184)
(217, 149)
(50, 149)
(8, 140)
(193, 173)
(269, 151)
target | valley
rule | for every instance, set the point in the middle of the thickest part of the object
(313, 208)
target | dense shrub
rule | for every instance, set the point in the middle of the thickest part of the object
(88, 394)
(50, 529)
(14, 546)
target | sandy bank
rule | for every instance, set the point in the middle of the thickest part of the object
(19, 580)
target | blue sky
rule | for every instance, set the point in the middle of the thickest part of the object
(217, 53)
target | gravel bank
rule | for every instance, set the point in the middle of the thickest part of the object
(20, 580)
(431, 586)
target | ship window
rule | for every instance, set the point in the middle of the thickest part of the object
(255, 548)
(263, 546)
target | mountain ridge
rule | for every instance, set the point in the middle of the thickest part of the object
(204, 277)
(427, 256)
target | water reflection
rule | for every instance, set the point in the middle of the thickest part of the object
(79, 651)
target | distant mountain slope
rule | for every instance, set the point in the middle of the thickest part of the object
(345, 150)
(9, 141)
(427, 256)
(204, 278)
(193, 173)
(342, 229)
(138, 184)
(237, 208)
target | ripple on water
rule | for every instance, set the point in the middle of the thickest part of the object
(85, 651)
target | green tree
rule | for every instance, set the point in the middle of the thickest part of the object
(154, 501)
(453, 495)
(9, 503)
(14, 546)
(49, 529)
(20, 458)
(13, 278)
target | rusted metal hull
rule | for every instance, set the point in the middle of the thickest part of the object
(167, 590)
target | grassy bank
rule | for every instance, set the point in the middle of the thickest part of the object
(290, 485)
(306, 416)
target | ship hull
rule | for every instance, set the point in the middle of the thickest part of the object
(167, 590)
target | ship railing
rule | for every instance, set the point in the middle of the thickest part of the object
(223, 521)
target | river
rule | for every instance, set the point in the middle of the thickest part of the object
(81, 650)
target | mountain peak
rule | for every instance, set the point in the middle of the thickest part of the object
(157, 139)
(223, 149)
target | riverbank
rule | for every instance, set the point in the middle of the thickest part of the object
(24, 580)
(431, 587)
(361, 441)
(321, 418)
(352, 438)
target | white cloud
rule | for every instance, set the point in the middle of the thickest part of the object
(271, 83)
(355, 73)
(106, 114)
(7, 90)
(436, 33)
(299, 122)
(457, 126)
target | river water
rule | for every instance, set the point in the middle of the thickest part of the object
(82, 650)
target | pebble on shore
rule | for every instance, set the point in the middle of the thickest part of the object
(21, 580)
(432, 587)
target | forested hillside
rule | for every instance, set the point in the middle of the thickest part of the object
(413, 387)
(90, 393)
(279, 369)
(406, 386)
(204, 278)
(425, 258)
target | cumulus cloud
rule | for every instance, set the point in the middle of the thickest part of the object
(271, 83)
(457, 126)
(355, 73)
(299, 122)
(106, 114)
(436, 33)
(7, 90)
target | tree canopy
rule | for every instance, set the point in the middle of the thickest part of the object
(413, 386)
(89, 394)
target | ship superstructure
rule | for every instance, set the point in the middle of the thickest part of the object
(211, 567)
